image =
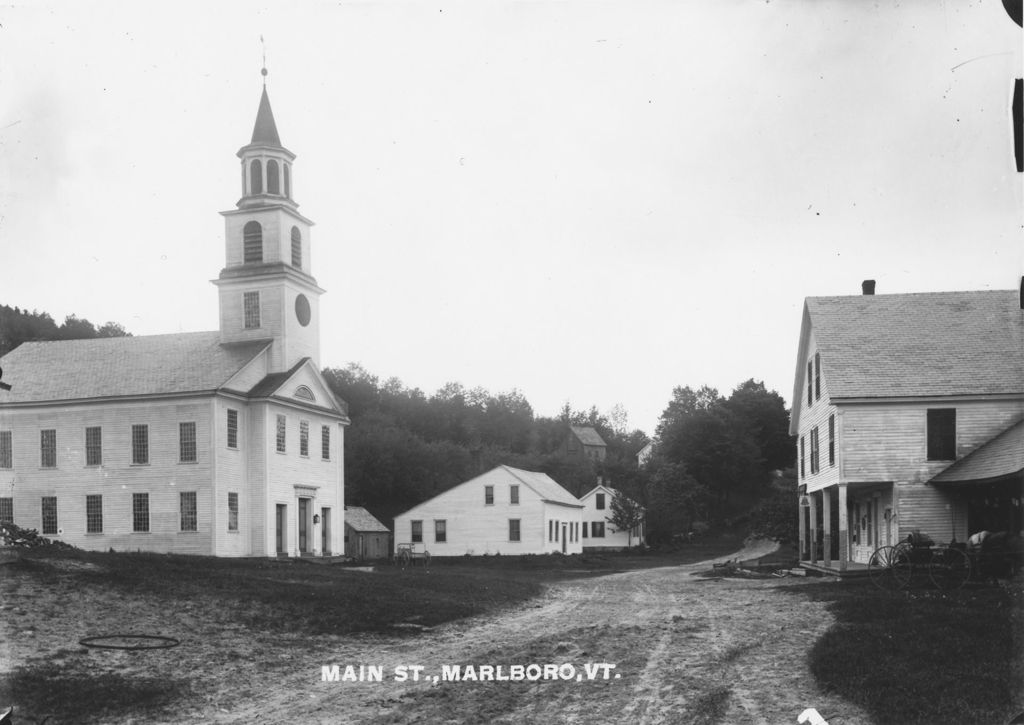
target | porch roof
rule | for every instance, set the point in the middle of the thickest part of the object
(1001, 457)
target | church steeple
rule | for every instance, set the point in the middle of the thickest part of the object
(267, 290)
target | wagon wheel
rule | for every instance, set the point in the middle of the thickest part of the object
(949, 568)
(902, 565)
(880, 568)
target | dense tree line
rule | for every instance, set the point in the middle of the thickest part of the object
(18, 326)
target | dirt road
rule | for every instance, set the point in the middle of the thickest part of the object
(685, 649)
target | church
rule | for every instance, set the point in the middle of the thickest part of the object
(223, 443)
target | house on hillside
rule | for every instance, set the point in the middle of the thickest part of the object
(585, 444)
(365, 536)
(907, 413)
(224, 443)
(600, 533)
(503, 511)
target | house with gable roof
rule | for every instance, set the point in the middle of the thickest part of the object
(584, 443)
(907, 413)
(598, 530)
(225, 443)
(503, 511)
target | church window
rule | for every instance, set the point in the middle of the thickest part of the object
(140, 444)
(304, 438)
(232, 428)
(252, 243)
(94, 446)
(189, 515)
(251, 303)
(282, 424)
(49, 514)
(305, 393)
(48, 448)
(325, 442)
(187, 442)
(140, 513)
(232, 512)
(94, 514)
(296, 247)
(256, 177)
(288, 181)
(7, 509)
(6, 450)
(273, 185)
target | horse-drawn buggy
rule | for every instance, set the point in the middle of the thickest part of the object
(408, 554)
(948, 566)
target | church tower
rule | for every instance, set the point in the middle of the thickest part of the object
(267, 291)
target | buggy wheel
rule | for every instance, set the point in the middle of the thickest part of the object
(949, 568)
(880, 568)
(902, 565)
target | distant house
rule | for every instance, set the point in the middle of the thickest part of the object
(506, 511)
(598, 531)
(584, 443)
(365, 536)
(644, 454)
(907, 410)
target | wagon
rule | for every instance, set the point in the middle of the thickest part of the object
(947, 565)
(407, 554)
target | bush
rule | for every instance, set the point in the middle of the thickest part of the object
(776, 517)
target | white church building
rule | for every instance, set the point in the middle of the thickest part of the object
(225, 443)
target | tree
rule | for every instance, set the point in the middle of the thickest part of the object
(626, 515)
(675, 502)
(112, 329)
(767, 419)
(76, 329)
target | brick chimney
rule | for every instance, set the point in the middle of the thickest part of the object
(868, 286)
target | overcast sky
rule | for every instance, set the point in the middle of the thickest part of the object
(592, 202)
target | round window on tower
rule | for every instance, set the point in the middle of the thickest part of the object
(302, 310)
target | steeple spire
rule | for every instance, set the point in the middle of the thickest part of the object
(264, 133)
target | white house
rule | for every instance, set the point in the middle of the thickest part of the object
(906, 409)
(227, 442)
(598, 531)
(503, 511)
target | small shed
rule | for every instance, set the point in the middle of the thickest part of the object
(365, 536)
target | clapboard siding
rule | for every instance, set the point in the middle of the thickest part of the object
(163, 478)
(816, 415)
(932, 511)
(613, 538)
(474, 527)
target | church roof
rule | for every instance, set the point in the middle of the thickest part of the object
(122, 366)
(264, 133)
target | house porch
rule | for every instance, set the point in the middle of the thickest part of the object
(841, 525)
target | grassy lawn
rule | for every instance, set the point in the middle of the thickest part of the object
(923, 656)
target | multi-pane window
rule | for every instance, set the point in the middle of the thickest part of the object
(251, 311)
(416, 533)
(513, 494)
(303, 437)
(232, 512)
(94, 514)
(814, 450)
(488, 495)
(597, 529)
(440, 531)
(803, 473)
(189, 511)
(49, 515)
(817, 376)
(187, 442)
(941, 434)
(282, 424)
(810, 382)
(6, 509)
(94, 446)
(6, 450)
(325, 442)
(232, 428)
(599, 499)
(48, 448)
(513, 529)
(140, 512)
(140, 444)
(296, 247)
(252, 243)
(831, 440)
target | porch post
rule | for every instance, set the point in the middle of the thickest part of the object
(802, 529)
(826, 520)
(813, 510)
(844, 525)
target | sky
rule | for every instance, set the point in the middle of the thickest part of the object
(590, 202)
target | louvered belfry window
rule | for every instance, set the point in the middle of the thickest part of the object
(252, 243)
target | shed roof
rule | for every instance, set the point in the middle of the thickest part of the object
(587, 435)
(362, 520)
(1000, 457)
(122, 366)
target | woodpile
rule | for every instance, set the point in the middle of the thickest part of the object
(19, 538)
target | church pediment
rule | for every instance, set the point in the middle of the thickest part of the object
(304, 386)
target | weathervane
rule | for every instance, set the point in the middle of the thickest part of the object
(263, 71)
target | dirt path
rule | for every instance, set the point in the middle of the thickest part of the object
(685, 649)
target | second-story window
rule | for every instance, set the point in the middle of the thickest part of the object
(817, 376)
(803, 473)
(304, 438)
(513, 494)
(140, 444)
(814, 449)
(94, 446)
(600, 501)
(282, 424)
(810, 382)
(942, 434)
(831, 440)
(187, 442)
(488, 495)
(48, 448)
